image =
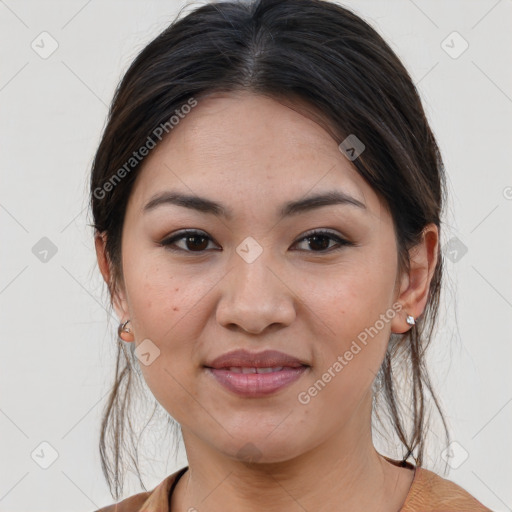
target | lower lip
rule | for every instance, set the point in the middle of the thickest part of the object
(256, 384)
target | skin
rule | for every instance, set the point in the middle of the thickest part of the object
(252, 154)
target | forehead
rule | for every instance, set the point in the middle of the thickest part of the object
(251, 147)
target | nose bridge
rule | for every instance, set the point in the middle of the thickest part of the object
(254, 296)
(251, 268)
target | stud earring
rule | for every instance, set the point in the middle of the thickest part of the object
(123, 329)
(410, 320)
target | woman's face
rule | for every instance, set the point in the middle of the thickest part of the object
(253, 280)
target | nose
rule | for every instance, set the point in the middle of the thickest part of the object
(255, 296)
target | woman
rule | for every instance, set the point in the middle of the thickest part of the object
(267, 201)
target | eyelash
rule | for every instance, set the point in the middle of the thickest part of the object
(168, 242)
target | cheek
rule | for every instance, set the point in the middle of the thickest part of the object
(356, 316)
(168, 310)
(162, 297)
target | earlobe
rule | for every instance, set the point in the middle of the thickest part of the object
(124, 331)
(402, 322)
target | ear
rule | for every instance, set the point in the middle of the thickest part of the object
(116, 290)
(415, 284)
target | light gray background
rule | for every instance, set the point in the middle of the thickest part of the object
(56, 364)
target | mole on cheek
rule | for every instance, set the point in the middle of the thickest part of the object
(175, 308)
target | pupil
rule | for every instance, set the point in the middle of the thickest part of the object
(315, 239)
(192, 245)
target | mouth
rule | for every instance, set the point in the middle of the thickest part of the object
(254, 375)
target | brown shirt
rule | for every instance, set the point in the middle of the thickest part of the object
(428, 493)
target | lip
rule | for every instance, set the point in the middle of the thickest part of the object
(265, 359)
(254, 385)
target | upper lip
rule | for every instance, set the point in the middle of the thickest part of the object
(244, 359)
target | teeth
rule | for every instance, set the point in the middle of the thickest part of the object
(269, 370)
(237, 369)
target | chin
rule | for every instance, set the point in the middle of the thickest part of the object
(261, 449)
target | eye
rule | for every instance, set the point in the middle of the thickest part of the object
(197, 241)
(194, 241)
(319, 240)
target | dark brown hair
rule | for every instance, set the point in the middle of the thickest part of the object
(330, 59)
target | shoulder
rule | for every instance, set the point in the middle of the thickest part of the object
(431, 492)
(149, 501)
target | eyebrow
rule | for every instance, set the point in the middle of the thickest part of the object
(204, 205)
